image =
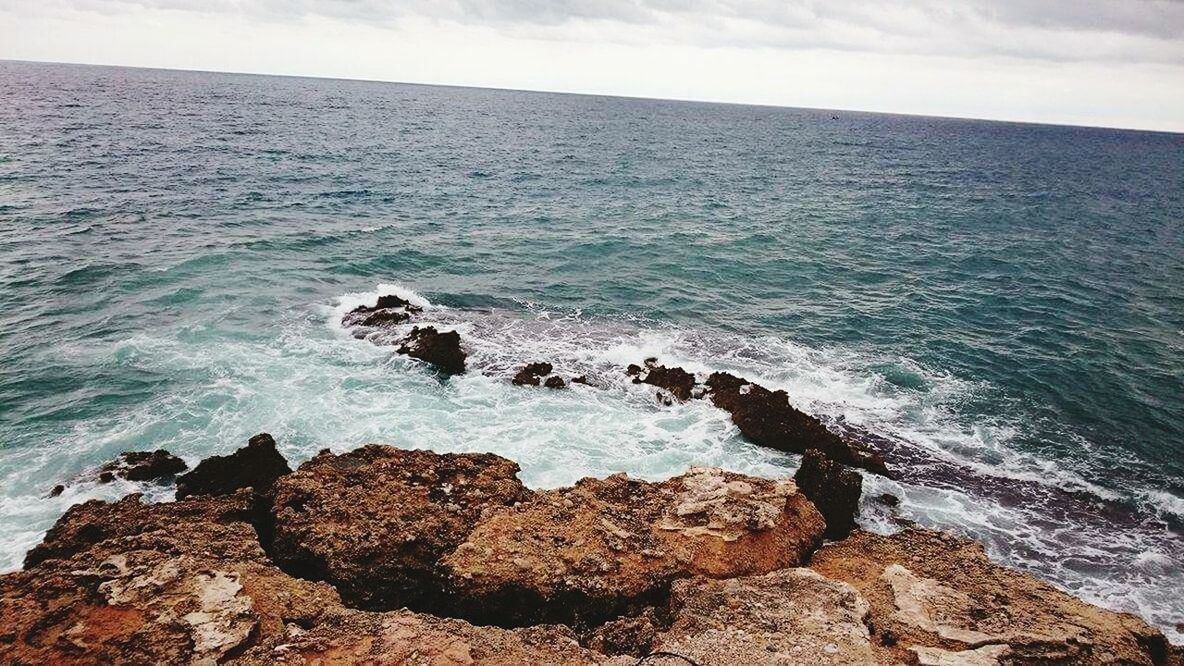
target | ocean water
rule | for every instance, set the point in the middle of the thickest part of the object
(999, 307)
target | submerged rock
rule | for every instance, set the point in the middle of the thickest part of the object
(257, 465)
(388, 311)
(610, 546)
(531, 374)
(440, 349)
(767, 418)
(158, 465)
(834, 489)
(676, 381)
(376, 521)
(933, 594)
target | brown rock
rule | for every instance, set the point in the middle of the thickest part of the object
(554, 382)
(183, 582)
(531, 374)
(767, 418)
(158, 465)
(404, 637)
(607, 547)
(677, 381)
(257, 465)
(935, 593)
(440, 349)
(792, 616)
(833, 489)
(375, 521)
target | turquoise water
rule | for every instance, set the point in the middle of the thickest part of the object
(998, 306)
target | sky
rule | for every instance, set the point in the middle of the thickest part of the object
(1114, 63)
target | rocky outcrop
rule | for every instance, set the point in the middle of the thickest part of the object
(389, 310)
(936, 598)
(405, 637)
(676, 381)
(128, 582)
(531, 374)
(792, 616)
(376, 521)
(608, 547)
(158, 465)
(834, 489)
(257, 465)
(439, 349)
(701, 568)
(767, 418)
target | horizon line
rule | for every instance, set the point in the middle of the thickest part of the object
(597, 94)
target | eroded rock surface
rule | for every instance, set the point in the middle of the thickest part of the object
(376, 521)
(937, 597)
(767, 418)
(257, 465)
(441, 349)
(609, 546)
(789, 617)
(128, 582)
(834, 489)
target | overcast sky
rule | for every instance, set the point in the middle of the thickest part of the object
(1095, 62)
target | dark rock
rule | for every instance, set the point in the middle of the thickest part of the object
(554, 382)
(582, 379)
(677, 381)
(158, 465)
(633, 370)
(833, 489)
(888, 499)
(388, 311)
(440, 349)
(767, 418)
(257, 465)
(531, 373)
(57, 490)
(374, 522)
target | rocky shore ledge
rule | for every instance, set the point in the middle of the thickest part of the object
(389, 556)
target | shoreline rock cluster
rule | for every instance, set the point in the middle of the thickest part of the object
(385, 555)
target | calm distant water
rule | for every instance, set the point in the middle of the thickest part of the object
(1005, 301)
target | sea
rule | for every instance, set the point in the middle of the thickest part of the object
(997, 306)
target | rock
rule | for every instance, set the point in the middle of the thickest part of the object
(767, 418)
(554, 382)
(833, 489)
(632, 370)
(933, 590)
(388, 311)
(988, 655)
(792, 616)
(404, 637)
(582, 379)
(677, 381)
(376, 521)
(57, 490)
(128, 582)
(888, 499)
(257, 465)
(158, 465)
(440, 349)
(607, 547)
(531, 374)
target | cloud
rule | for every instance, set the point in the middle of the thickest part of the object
(1148, 31)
